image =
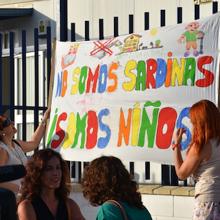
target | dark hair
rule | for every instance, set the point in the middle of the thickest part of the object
(205, 119)
(106, 178)
(31, 184)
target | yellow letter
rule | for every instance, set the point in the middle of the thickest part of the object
(135, 124)
(70, 131)
(177, 71)
(75, 78)
(129, 86)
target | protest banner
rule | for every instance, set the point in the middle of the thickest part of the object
(125, 96)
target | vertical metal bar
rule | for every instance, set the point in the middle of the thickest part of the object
(147, 170)
(197, 12)
(36, 73)
(214, 7)
(101, 29)
(80, 170)
(73, 32)
(146, 21)
(86, 39)
(12, 74)
(1, 77)
(63, 20)
(73, 169)
(24, 86)
(179, 15)
(131, 24)
(165, 169)
(174, 178)
(73, 163)
(165, 174)
(115, 26)
(131, 30)
(146, 27)
(131, 168)
(162, 17)
(49, 51)
(86, 30)
(85, 164)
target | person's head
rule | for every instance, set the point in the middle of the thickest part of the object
(6, 127)
(106, 178)
(192, 26)
(205, 119)
(46, 170)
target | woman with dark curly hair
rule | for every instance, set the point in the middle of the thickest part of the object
(106, 182)
(45, 189)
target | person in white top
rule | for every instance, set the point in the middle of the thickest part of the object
(12, 151)
(202, 159)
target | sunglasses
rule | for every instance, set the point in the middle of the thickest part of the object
(6, 123)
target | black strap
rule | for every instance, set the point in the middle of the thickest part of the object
(122, 210)
(16, 142)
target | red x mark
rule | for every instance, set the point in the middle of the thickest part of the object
(102, 46)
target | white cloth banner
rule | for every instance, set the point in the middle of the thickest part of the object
(126, 96)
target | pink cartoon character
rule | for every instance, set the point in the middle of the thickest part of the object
(190, 37)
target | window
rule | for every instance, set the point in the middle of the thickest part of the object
(5, 40)
(30, 90)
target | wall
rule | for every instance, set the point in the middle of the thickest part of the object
(93, 10)
(45, 10)
(163, 202)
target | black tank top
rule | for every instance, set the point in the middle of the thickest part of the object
(43, 213)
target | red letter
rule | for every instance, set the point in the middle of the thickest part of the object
(209, 76)
(151, 69)
(59, 131)
(92, 79)
(167, 116)
(92, 130)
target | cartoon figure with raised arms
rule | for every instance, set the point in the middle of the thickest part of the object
(190, 37)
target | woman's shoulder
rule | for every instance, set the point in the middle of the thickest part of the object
(3, 146)
(70, 202)
(109, 210)
(110, 205)
(73, 209)
(26, 210)
(3, 156)
(141, 213)
(215, 142)
(25, 204)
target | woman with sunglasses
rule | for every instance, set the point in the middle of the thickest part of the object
(12, 151)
